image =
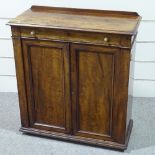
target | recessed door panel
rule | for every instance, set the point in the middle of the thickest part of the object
(93, 84)
(46, 65)
(94, 91)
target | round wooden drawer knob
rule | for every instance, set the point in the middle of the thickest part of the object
(32, 32)
(105, 39)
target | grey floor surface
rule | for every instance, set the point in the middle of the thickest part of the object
(12, 142)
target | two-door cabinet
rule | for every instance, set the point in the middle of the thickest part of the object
(72, 69)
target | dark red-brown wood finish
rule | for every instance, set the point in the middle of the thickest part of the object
(73, 79)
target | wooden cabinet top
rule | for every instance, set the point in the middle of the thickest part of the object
(118, 22)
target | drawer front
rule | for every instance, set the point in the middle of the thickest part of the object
(76, 36)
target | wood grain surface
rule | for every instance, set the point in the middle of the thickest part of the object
(73, 73)
(104, 21)
(46, 69)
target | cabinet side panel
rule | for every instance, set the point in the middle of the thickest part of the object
(121, 95)
(130, 92)
(20, 77)
(130, 85)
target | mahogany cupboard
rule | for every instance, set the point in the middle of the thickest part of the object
(73, 72)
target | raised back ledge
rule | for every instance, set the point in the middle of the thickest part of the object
(90, 12)
(126, 23)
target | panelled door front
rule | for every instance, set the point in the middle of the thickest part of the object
(46, 66)
(93, 69)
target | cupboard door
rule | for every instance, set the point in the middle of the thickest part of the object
(46, 68)
(93, 72)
